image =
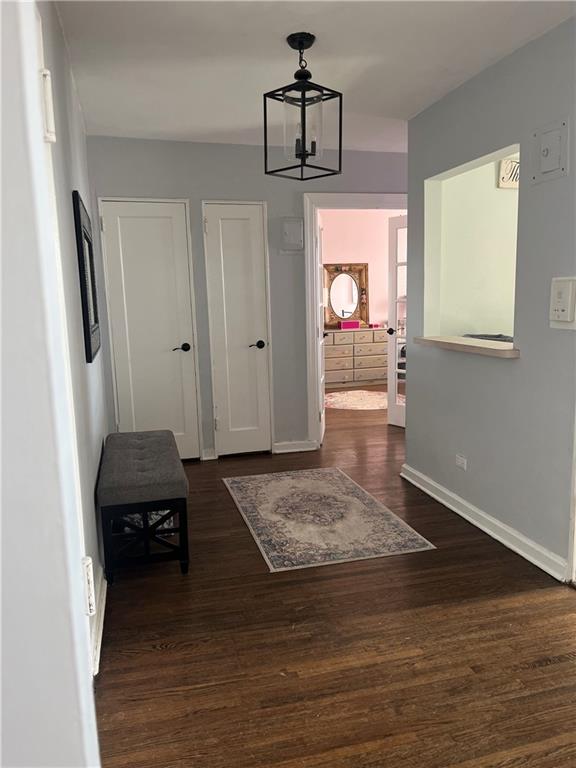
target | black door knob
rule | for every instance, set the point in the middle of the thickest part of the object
(183, 347)
(260, 344)
(391, 331)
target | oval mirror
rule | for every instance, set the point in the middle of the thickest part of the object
(344, 295)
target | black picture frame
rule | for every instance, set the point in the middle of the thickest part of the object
(88, 293)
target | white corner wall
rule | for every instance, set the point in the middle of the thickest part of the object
(48, 716)
(512, 419)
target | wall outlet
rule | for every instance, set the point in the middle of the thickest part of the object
(461, 462)
(89, 590)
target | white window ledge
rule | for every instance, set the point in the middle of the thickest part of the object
(503, 349)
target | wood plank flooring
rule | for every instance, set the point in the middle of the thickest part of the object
(461, 656)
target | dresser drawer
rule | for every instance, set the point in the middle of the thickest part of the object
(371, 361)
(339, 363)
(344, 338)
(370, 349)
(328, 338)
(345, 350)
(363, 337)
(335, 377)
(369, 374)
(380, 335)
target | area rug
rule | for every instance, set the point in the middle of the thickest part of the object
(357, 400)
(318, 517)
(360, 400)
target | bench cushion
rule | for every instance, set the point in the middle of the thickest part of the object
(140, 466)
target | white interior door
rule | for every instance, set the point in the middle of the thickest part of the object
(397, 286)
(320, 331)
(150, 305)
(237, 274)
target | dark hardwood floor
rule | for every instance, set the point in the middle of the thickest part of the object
(461, 656)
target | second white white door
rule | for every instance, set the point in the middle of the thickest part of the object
(237, 275)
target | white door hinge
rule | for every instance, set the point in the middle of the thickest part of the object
(47, 106)
(215, 424)
(102, 223)
(205, 222)
(89, 591)
(319, 415)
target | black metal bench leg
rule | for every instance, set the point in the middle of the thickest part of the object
(183, 525)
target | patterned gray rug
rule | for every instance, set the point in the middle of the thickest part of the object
(317, 517)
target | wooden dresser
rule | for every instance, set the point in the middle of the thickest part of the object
(356, 356)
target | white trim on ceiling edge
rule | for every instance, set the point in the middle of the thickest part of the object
(295, 447)
(548, 561)
(99, 624)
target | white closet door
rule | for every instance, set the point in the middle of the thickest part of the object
(149, 301)
(236, 265)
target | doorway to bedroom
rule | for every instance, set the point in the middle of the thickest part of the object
(360, 259)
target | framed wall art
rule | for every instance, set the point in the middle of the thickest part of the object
(89, 297)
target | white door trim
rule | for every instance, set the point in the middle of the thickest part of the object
(396, 412)
(312, 203)
(186, 203)
(263, 205)
(571, 567)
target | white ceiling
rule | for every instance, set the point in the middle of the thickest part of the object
(196, 71)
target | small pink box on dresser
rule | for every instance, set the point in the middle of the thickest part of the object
(347, 324)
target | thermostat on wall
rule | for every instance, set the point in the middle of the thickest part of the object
(563, 302)
(550, 152)
(292, 234)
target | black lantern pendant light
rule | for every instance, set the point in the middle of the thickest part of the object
(302, 124)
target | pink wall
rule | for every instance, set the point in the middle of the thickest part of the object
(354, 236)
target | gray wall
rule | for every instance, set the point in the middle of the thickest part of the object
(91, 382)
(165, 169)
(513, 419)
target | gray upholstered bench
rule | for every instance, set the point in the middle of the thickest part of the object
(141, 494)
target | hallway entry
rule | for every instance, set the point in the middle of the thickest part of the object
(361, 260)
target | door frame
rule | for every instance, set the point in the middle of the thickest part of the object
(396, 412)
(313, 202)
(186, 203)
(262, 204)
(571, 563)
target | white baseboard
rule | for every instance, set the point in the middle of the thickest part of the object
(550, 562)
(208, 454)
(295, 447)
(98, 628)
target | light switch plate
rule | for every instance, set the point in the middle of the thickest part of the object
(550, 152)
(563, 302)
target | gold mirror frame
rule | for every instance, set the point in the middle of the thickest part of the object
(359, 273)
